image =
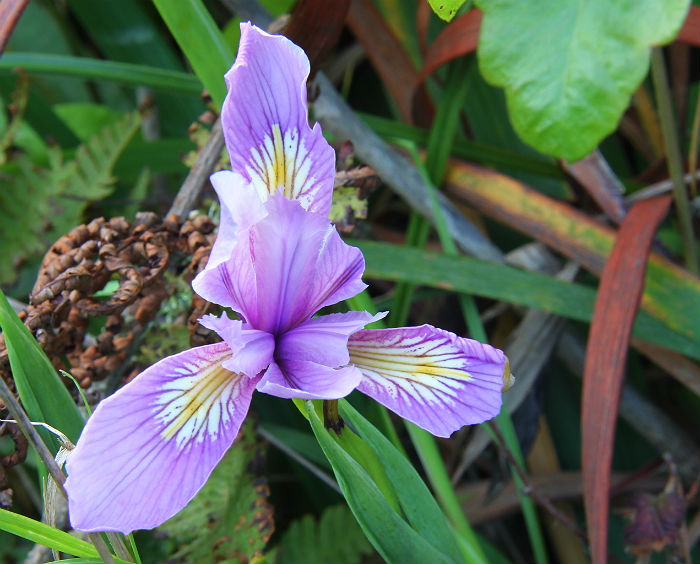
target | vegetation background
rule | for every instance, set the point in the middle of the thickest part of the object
(524, 173)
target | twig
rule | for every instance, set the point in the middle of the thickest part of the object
(10, 12)
(528, 490)
(33, 437)
(203, 167)
(659, 188)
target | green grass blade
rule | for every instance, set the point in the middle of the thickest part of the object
(45, 535)
(97, 69)
(42, 392)
(201, 41)
(500, 282)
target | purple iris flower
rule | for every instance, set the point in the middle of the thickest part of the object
(277, 260)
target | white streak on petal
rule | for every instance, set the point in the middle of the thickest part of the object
(148, 448)
(429, 376)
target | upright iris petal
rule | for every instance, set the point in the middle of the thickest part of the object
(266, 122)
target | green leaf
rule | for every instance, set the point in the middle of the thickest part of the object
(512, 285)
(446, 9)
(130, 31)
(230, 516)
(569, 67)
(45, 535)
(202, 42)
(97, 69)
(417, 503)
(388, 532)
(43, 394)
(335, 537)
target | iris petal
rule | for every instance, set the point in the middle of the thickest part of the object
(240, 208)
(308, 380)
(150, 447)
(324, 339)
(431, 377)
(265, 122)
(288, 266)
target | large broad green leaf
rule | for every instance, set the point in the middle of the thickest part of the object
(43, 394)
(446, 9)
(389, 533)
(569, 67)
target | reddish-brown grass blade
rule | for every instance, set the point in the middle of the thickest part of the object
(619, 296)
(315, 26)
(423, 13)
(690, 32)
(10, 11)
(390, 61)
(458, 38)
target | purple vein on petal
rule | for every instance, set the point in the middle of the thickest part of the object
(429, 376)
(150, 447)
(265, 122)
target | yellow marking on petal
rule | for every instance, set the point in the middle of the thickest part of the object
(195, 402)
(279, 166)
(281, 161)
(413, 365)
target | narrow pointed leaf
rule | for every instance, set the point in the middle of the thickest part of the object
(390, 535)
(616, 305)
(45, 535)
(43, 394)
(202, 42)
(417, 503)
(500, 282)
(671, 294)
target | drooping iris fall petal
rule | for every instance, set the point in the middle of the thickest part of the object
(150, 447)
(266, 123)
(431, 377)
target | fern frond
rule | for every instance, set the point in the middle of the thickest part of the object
(37, 205)
(229, 520)
(335, 537)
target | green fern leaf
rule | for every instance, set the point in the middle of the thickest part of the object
(37, 205)
(229, 520)
(335, 537)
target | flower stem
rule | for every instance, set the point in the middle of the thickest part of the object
(331, 417)
(674, 158)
